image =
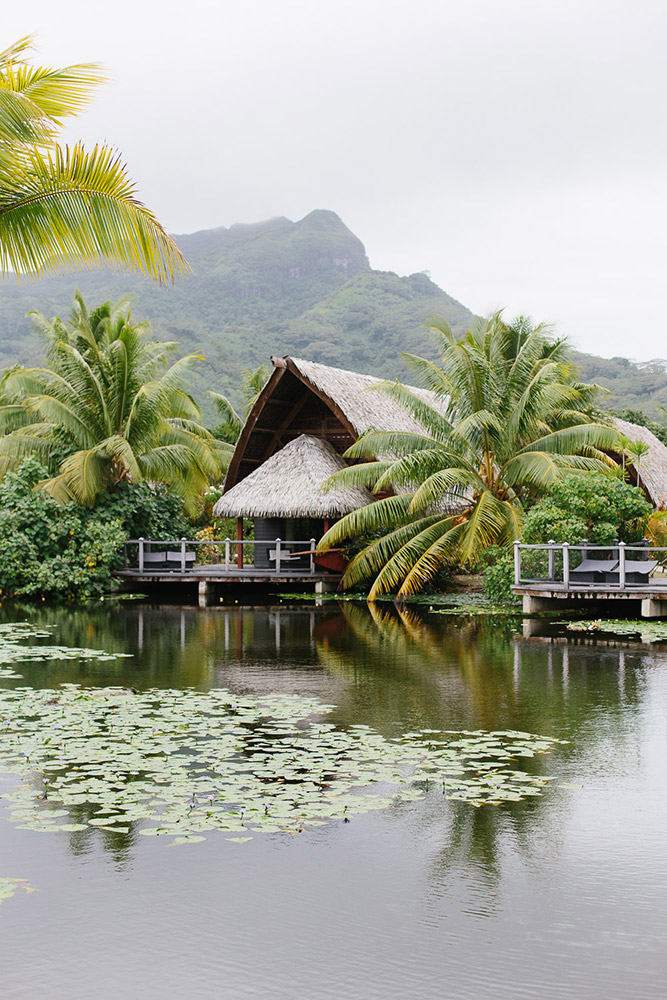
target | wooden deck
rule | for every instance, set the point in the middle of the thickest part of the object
(573, 574)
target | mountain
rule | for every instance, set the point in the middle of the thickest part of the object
(279, 287)
(275, 287)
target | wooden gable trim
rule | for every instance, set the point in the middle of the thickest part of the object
(281, 366)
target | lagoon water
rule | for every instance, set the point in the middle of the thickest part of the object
(558, 896)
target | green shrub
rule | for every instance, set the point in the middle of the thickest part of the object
(598, 508)
(49, 549)
(145, 511)
(499, 575)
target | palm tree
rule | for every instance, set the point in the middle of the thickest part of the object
(66, 208)
(108, 408)
(252, 382)
(636, 451)
(508, 419)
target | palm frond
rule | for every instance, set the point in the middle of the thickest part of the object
(67, 208)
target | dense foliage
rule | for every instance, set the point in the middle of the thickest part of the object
(597, 508)
(54, 550)
(278, 287)
(108, 409)
(303, 288)
(62, 208)
(508, 419)
(49, 549)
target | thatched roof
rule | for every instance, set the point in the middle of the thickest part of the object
(653, 467)
(363, 409)
(303, 397)
(289, 484)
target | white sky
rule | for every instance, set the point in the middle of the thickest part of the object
(515, 149)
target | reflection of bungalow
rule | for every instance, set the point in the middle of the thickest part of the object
(305, 417)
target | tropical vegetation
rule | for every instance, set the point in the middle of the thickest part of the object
(63, 550)
(64, 208)
(231, 423)
(108, 408)
(507, 419)
(595, 508)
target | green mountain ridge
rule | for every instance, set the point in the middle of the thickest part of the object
(279, 287)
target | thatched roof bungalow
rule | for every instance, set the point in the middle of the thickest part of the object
(302, 397)
(304, 419)
(653, 467)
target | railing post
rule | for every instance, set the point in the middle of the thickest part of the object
(141, 555)
(277, 555)
(621, 565)
(182, 555)
(239, 543)
(552, 559)
(566, 565)
(228, 546)
(517, 563)
(312, 555)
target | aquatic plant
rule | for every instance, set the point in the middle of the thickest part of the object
(188, 762)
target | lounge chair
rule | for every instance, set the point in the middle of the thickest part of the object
(595, 571)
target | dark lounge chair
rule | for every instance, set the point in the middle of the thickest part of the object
(595, 571)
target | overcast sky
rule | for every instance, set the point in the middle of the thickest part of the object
(514, 149)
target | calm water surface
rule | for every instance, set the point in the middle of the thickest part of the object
(561, 896)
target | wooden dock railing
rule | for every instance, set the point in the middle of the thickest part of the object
(142, 556)
(615, 567)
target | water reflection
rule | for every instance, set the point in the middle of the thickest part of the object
(394, 669)
(419, 894)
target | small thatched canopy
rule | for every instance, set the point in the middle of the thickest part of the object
(653, 467)
(289, 484)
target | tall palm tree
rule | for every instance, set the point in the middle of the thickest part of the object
(66, 208)
(508, 418)
(108, 408)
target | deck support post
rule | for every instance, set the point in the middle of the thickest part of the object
(239, 543)
(204, 591)
(325, 586)
(653, 608)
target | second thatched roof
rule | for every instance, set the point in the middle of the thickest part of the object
(653, 467)
(289, 484)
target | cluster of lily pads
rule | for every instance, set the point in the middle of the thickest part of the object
(10, 886)
(187, 762)
(647, 630)
(12, 651)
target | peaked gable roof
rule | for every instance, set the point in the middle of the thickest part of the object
(319, 400)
